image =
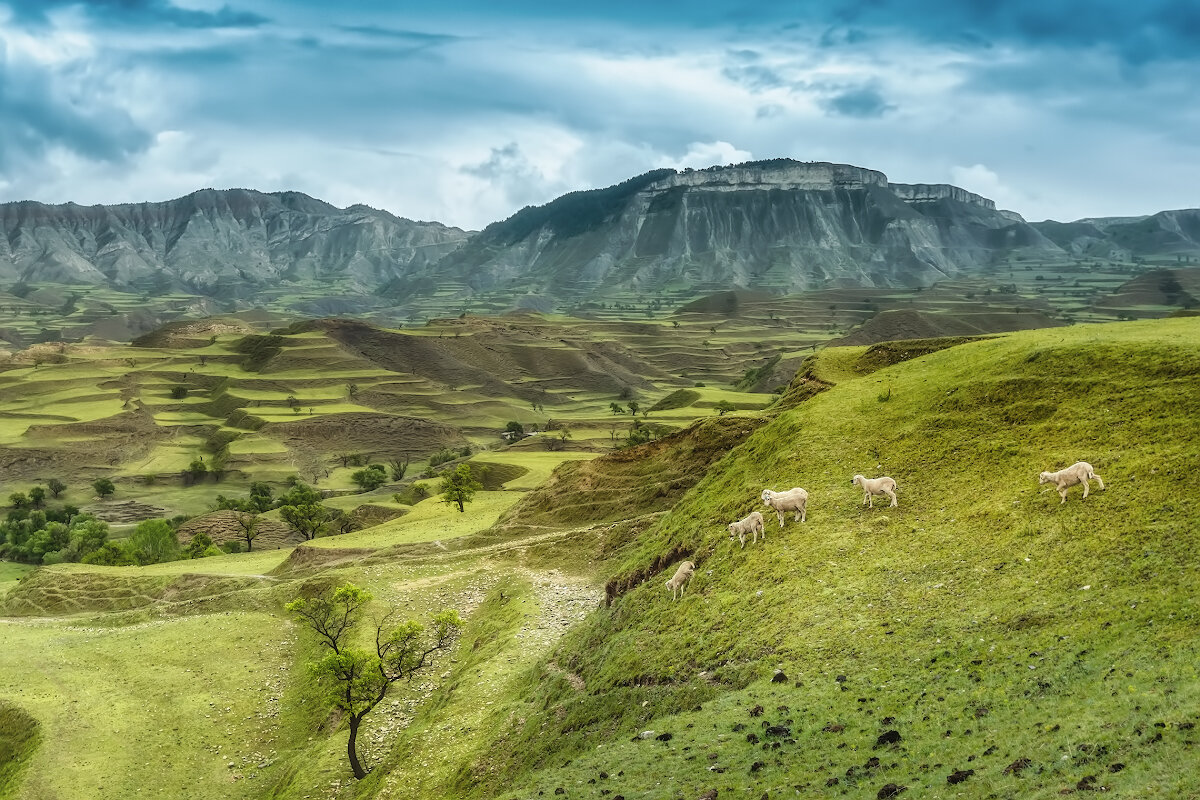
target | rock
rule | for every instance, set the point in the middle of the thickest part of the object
(833, 728)
(887, 738)
(890, 790)
(779, 677)
(757, 711)
(958, 776)
(664, 737)
(646, 735)
(756, 766)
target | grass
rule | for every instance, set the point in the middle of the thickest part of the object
(430, 520)
(984, 619)
(121, 704)
(980, 620)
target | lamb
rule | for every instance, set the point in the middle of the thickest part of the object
(874, 486)
(792, 500)
(1079, 472)
(682, 576)
(751, 524)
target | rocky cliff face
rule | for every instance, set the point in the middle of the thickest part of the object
(214, 240)
(780, 225)
(1167, 233)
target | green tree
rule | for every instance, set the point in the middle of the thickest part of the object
(18, 500)
(195, 472)
(723, 407)
(634, 407)
(356, 680)
(616, 408)
(56, 487)
(370, 478)
(459, 486)
(104, 487)
(154, 541)
(515, 430)
(248, 527)
(310, 519)
(200, 545)
(37, 497)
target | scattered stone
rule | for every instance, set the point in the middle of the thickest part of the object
(887, 738)
(1088, 784)
(1117, 767)
(1018, 766)
(756, 766)
(840, 679)
(757, 711)
(603, 776)
(890, 790)
(887, 720)
(711, 794)
(560, 790)
(646, 735)
(833, 727)
(739, 727)
(779, 677)
(871, 763)
(832, 781)
(778, 730)
(664, 737)
(958, 776)
(752, 738)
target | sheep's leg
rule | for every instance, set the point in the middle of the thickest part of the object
(1098, 480)
(870, 500)
(892, 494)
(780, 515)
(1086, 486)
(804, 513)
(1063, 494)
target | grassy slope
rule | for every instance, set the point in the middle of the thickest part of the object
(986, 621)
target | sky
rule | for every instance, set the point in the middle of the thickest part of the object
(463, 112)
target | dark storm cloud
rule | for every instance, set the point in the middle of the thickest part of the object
(36, 113)
(864, 102)
(138, 12)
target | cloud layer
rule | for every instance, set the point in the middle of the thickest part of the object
(469, 112)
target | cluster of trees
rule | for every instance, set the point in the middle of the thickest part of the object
(300, 506)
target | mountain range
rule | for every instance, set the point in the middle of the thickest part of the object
(781, 226)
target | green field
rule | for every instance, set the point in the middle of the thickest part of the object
(1026, 648)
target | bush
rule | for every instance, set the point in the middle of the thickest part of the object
(104, 487)
(370, 478)
(444, 455)
(179, 392)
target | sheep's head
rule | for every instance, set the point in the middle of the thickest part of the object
(856, 480)
(766, 496)
(1044, 478)
(732, 532)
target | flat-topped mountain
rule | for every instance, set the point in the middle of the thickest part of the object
(780, 225)
(214, 242)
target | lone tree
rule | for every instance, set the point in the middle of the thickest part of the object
(104, 487)
(311, 519)
(370, 478)
(616, 408)
(56, 487)
(723, 407)
(356, 680)
(459, 486)
(398, 466)
(247, 522)
(37, 497)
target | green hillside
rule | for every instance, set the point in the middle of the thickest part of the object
(980, 640)
(980, 620)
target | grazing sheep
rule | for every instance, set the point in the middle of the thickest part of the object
(874, 486)
(751, 524)
(1079, 472)
(682, 576)
(792, 500)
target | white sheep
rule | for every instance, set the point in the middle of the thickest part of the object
(751, 524)
(682, 576)
(792, 500)
(1079, 472)
(874, 486)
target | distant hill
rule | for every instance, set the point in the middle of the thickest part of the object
(763, 228)
(213, 242)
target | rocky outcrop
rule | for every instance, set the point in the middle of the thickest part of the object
(215, 242)
(932, 192)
